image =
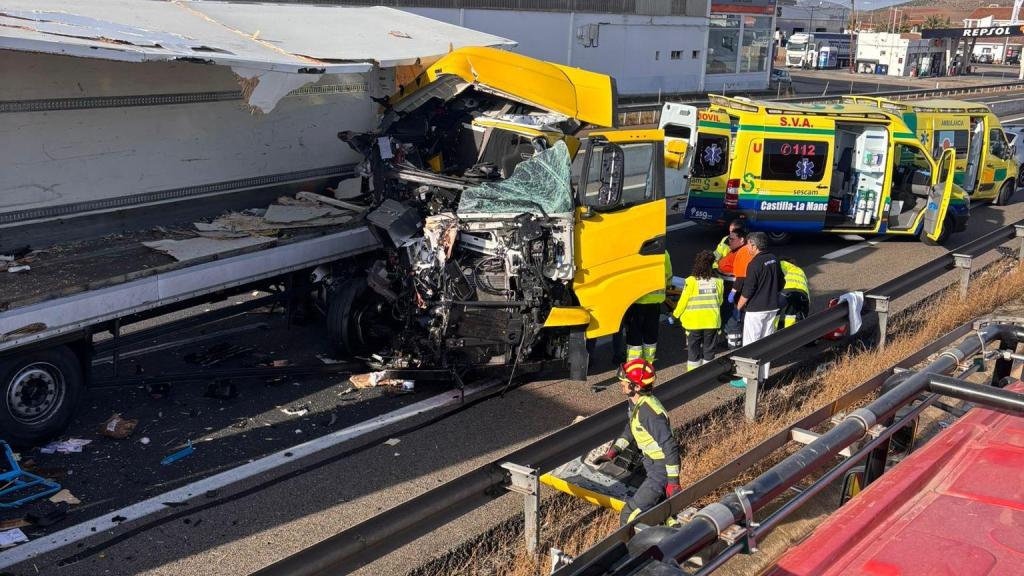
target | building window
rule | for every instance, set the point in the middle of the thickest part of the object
(757, 38)
(696, 54)
(676, 54)
(657, 54)
(723, 43)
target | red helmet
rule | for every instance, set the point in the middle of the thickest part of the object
(639, 373)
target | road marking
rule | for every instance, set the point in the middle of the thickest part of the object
(286, 457)
(851, 249)
(679, 226)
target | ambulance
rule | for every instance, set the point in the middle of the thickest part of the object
(986, 167)
(833, 168)
(708, 160)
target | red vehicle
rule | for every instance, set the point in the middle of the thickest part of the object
(955, 506)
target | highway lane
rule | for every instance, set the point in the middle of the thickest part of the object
(251, 531)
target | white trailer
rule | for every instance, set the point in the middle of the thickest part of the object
(121, 114)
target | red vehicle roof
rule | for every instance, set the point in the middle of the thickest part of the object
(954, 507)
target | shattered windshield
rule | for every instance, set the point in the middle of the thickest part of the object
(542, 182)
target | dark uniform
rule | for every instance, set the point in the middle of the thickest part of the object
(649, 431)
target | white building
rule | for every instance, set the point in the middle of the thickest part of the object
(648, 46)
(811, 16)
(996, 49)
(898, 54)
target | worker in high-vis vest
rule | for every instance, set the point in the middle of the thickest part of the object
(642, 321)
(699, 310)
(725, 266)
(795, 299)
(649, 431)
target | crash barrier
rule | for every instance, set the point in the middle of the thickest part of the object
(612, 551)
(356, 546)
(642, 114)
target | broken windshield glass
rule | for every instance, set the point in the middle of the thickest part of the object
(542, 182)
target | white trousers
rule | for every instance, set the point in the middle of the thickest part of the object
(757, 325)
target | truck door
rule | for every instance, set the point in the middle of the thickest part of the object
(620, 225)
(974, 154)
(938, 197)
(679, 121)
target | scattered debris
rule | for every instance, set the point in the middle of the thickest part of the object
(347, 390)
(279, 363)
(320, 199)
(69, 446)
(47, 513)
(372, 379)
(118, 519)
(12, 537)
(19, 268)
(144, 440)
(327, 360)
(299, 411)
(65, 495)
(184, 452)
(221, 390)
(392, 441)
(307, 211)
(334, 418)
(193, 248)
(158, 391)
(118, 427)
(15, 523)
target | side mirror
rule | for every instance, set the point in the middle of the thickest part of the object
(613, 169)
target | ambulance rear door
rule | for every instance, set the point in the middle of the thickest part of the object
(938, 198)
(974, 154)
(679, 121)
(712, 160)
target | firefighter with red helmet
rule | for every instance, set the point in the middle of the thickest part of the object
(648, 430)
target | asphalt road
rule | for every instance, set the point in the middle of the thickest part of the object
(248, 531)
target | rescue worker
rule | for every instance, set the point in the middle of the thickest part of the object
(648, 430)
(725, 264)
(699, 310)
(795, 299)
(642, 321)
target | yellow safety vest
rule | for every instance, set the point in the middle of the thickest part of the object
(658, 296)
(644, 441)
(795, 278)
(721, 250)
(699, 306)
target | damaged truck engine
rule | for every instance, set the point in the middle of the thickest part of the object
(471, 195)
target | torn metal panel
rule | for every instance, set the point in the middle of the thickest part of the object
(193, 248)
(261, 42)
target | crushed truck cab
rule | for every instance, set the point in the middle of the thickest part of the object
(494, 217)
(833, 168)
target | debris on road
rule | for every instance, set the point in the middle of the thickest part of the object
(221, 390)
(69, 446)
(144, 440)
(298, 411)
(14, 523)
(19, 268)
(65, 495)
(373, 379)
(184, 452)
(392, 441)
(46, 513)
(118, 427)
(327, 360)
(12, 537)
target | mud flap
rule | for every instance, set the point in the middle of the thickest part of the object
(579, 357)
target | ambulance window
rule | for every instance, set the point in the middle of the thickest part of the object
(996, 142)
(958, 139)
(712, 156)
(794, 160)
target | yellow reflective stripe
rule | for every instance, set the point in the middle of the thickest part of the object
(703, 307)
(621, 443)
(633, 515)
(672, 470)
(658, 454)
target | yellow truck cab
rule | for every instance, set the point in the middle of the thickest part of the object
(834, 168)
(986, 167)
(508, 239)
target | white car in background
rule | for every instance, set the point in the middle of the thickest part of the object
(1014, 133)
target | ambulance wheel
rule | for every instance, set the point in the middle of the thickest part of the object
(1005, 193)
(947, 229)
(779, 238)
(40, 389)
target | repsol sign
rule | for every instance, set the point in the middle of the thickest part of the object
(989, 32)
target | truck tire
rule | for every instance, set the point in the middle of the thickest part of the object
(340, 304)
(40, 391)
(1005, 193)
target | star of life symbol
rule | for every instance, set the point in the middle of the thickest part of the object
(804, 169)
(712, 155)
(924, 138)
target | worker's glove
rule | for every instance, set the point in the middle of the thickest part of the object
(608, 456)
(732, 297)
(671, 489)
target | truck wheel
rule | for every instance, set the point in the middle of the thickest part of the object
(40, 391)
(1005, 193)
(779, 238)
(340, 307)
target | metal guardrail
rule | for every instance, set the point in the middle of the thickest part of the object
(649, 112)
(393, 528)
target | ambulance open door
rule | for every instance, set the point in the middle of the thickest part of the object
(938, 197)
(974, 156)
(679, 121)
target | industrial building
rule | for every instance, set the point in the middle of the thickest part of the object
(899, 54)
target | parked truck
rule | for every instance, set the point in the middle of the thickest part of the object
(475, 245)
(826, 50)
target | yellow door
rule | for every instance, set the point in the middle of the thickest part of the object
(938, 198)
(620, 225)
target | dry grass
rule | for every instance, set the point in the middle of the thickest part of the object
(574, 526)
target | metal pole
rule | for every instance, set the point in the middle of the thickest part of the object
(750, 370)
(963, 262)
(525, 481)
(882, 309)
(1018, 231)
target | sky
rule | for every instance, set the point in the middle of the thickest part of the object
(873, 4)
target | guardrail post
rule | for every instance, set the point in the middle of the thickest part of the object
(963, 262)
(1018, 230)
(526, 482)
(882, 309)
(750, 370)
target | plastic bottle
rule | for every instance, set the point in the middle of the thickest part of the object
(862, 207)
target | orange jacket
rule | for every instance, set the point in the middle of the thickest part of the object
(740, 263)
